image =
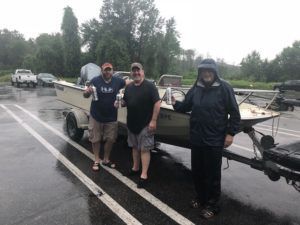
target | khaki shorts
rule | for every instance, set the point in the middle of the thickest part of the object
(142, 141)
(102, 131)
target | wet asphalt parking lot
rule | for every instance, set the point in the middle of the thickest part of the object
(45, 178)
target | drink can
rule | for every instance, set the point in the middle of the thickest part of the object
(95, 95)
(169, 96)
(119, 100)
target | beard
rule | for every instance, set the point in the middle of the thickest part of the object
(207, 83)
(106, 78)
(137, 78)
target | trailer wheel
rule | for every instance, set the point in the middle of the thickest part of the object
(73, 131)
(290, 108)
(267, 142)
(283, 106)
(273, 175)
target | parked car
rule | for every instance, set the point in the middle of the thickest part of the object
(23, 76)
(289, 85)
(46, 79)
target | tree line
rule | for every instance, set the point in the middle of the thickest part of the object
(128, 31)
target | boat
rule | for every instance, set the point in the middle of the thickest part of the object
(173, 127)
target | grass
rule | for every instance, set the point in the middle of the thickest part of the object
(5, 72)
(5, 78)
(251, 85)
(188, 80)
(69, 79)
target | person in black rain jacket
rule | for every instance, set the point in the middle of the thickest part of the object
(214, 121)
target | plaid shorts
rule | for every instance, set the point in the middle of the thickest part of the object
(142, 141)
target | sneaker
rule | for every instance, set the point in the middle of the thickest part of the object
(142, 183)
(209, 212)
(196, 204)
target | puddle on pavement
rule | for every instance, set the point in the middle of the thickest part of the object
(51, 114)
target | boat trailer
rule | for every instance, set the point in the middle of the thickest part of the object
(274, 161)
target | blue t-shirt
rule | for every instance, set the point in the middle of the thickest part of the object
(103, 110)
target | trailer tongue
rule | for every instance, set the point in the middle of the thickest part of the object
(276, 162)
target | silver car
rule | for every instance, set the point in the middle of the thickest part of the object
(46, 79)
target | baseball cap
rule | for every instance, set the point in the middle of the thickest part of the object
(136, 65)
(107, 65)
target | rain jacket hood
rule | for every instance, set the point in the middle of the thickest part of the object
(213, 109)
(208, 64)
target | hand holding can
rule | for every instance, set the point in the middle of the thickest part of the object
(119, 100)
(88, 90)
(94, 93)
(173, 100)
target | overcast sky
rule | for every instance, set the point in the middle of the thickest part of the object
(228, 29)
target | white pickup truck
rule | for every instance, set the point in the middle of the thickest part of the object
(22, 76)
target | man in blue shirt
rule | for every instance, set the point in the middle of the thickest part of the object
(103, 115)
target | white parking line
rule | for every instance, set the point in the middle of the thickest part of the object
(281, 132)
(104, 197)
(129, 183)
(263, 125)
(242, 147)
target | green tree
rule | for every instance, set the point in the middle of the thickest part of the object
(198, 60)
(252, 67)
(134, 25)
(13, 49)
(169, 49)
(30, 63)
(186, 61)
(289, 63)
(228, 71)
(116, 19)
(91, 34)
(113, 50)
(71, 42)
(130, 31)
(49, 55)
(272, 70)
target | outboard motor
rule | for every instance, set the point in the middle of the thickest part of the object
(88, 72)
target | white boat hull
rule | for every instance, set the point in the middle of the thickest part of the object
(72, 94)
(172, 127)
